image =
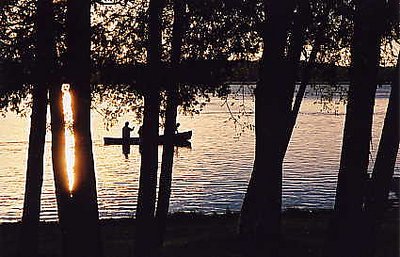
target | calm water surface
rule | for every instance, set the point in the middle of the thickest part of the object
(211, 176)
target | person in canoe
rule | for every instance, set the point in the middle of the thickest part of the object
(140, 133)
(126, 134)
(176, 127)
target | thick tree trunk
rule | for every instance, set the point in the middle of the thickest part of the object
(145, 241)
(382, 174)
(297, 41)
(164, 191)
(85, 229)
(145, 228)
(60, 167)
(83, 238)
(347, 220)
(58, 154)
(28, 245)
(261, 210)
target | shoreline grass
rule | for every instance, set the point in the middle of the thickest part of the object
(304, 233)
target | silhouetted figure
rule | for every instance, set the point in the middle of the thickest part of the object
(140, 133)
(176, 127)
(126, 134)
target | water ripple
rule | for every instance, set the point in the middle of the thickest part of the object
(212, 176)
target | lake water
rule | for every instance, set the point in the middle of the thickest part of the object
(211, 176)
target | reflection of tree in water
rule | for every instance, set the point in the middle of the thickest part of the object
(329, 97)
(240, 111)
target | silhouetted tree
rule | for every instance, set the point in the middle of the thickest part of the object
(59, 158)
(320, 29)
(145, 228)
(28, 245)
(301, 21)
(164, 191)
(311, 27)
(78, 210)
(365, 52)
(261, 210)
(379, 185)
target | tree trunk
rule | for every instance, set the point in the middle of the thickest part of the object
(303, 15)
(383, 169)
(145, 229)
(28, 245)
(347, 220)
(297, 42)
(261, 210)
(306, 75)
(58, 155)
(34, 174)
(164, 191)
(83, 238)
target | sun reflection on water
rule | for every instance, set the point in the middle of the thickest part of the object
(69, 136)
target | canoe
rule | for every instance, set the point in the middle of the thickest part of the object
(180, 139)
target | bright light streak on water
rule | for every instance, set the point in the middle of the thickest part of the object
(69, 136)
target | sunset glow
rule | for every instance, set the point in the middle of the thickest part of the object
(69, 136)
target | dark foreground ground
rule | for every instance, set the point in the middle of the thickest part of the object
(197, 235)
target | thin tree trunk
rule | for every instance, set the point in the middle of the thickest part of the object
(296, 43)
(382, 173)
(306, 75)
(164, 191)
(347, 220)
(296, 46)
(261, 210)
(145, 241)
(34, 175)
(28, 245)
(83, 237)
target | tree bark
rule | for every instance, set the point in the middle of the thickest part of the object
(145, 229)
(58, 154)
(303, 15)
(301, 22)
(83, 231)
(164, 191)
(382, 173)
(306, 75)
(28, 244)
(34, 175)
(261, 210)
(347, 220)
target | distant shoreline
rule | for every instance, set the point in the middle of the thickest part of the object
(13, 75)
